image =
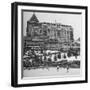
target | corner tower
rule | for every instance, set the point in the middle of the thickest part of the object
(33, 21)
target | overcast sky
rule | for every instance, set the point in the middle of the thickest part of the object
(68, 19)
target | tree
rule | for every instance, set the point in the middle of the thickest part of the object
(49, 60)
(64, 56)
(55, 58)
(59, 55)
(69, 54)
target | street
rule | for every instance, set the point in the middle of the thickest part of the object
(51, 71)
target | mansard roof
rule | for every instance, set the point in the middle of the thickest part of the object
(33, 19)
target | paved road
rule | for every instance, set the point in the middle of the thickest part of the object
(52, 71)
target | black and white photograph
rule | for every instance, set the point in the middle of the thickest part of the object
(51, 44)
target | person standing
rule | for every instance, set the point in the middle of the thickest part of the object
(67, 68)
(57, 67)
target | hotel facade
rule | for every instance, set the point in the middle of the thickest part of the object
(45, 35)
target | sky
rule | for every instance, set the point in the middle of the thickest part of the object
(75, 20)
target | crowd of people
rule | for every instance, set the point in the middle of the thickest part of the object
(33, 59)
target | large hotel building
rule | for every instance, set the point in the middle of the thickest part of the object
(46, 35)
